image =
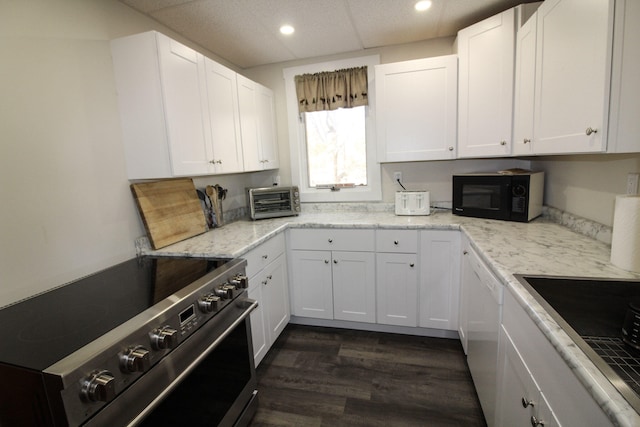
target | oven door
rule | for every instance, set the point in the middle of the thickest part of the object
(209, 379)
(482, 196)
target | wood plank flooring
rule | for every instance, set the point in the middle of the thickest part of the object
(335, 377)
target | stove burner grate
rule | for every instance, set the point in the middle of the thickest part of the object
(624, 360)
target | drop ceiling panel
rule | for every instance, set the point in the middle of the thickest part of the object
(322, 27)
(246, 32)
(383, 23)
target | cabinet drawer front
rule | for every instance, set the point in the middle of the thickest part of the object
(259, 257)
(330, 239)
(403, 241)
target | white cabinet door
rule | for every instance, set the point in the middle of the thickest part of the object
(439, 279)
(466, 276)
(397, 293)
(311, 284)
(516, 386)
(162, 104)
(524, 96)
(624, 126)
(485, 91)
(354, 286)
(276, 296)
(258, 324)
(182, 78)
(223, 118)
(572, 79)
(268, 284)
(520, 400)
(416, 105)
(266, 109)
(257, 124)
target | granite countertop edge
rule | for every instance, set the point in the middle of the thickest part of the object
(541, 247)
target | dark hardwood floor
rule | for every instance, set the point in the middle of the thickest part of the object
(335, 377)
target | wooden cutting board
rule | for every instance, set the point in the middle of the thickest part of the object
(170, 210)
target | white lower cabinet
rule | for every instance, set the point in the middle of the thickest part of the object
(268, 284)
(535, 385)
(333, 274)
(397, 277)
(466, 275)
(397, 289)
(521, 401)
(439, 279)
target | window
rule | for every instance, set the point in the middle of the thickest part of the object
(333, 153)
(336, 147)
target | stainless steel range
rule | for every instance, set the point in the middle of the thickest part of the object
(149, 339)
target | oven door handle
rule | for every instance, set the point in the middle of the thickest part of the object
(250, 305)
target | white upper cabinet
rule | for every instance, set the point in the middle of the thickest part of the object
(572, 79)
(485, 86)
(624, 126)
(257, 122)
(161, 97)
(416, 103)
(524, 91)
(224, 119)
(181, 114)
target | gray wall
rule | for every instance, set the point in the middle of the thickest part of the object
(66, 207)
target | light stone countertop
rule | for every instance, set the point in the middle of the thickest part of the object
(540, 247)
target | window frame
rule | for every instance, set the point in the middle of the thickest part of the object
(297, 142)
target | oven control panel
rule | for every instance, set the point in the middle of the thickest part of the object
(110, 371)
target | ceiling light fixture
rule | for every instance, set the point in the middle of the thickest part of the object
(423, 5)
(287, 29)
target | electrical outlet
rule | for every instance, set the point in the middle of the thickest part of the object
(632, 183)
(397, 176)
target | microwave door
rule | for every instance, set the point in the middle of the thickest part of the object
(487, 198)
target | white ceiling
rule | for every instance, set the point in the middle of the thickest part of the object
(246, 32)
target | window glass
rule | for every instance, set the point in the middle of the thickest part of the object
(336, 147)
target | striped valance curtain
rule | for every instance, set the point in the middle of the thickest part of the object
(331, 90)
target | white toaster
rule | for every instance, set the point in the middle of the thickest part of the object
(412, 203)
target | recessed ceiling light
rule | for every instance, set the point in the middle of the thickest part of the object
(423, 5)
(287, 29)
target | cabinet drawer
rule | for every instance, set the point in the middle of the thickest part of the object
(402, 241)
(330, 239)
(259, 257)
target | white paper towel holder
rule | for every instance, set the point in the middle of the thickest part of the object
(625, 238)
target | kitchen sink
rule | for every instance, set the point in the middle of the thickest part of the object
(592, 311)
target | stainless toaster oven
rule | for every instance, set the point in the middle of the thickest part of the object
(271, 202)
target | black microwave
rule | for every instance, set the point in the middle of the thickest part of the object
(512, 196)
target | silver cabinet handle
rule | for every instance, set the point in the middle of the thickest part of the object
(264, 282)
(503, 142)
(465, 252)
(526, 403)
(335, 261)
(326, 261)
(535, 422)
(590, 130)
(265, 256)
(411, 265)
(450, 148)
(526, 141)
(395, 242)
(330, 240)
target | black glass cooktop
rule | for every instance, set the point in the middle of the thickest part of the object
(37, 332)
